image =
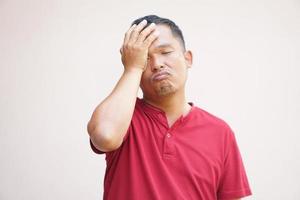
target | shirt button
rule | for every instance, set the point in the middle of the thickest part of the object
(168, 135)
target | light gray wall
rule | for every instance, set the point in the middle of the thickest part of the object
(59, 59)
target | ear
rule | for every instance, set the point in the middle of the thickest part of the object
(188, 56)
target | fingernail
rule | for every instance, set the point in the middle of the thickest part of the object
(152, 24)
(144, 21)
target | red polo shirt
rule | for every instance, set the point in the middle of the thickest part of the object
(195, 159)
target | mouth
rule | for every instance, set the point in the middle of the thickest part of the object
(160, 76)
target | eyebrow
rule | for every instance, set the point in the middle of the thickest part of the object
(161, 46)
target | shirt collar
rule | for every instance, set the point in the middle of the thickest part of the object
(158, 112)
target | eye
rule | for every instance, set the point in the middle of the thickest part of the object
(166, 52)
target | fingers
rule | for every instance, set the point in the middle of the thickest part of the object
(151, 38)
(136, 32)
(128, 33)
(140, 35)
(145, 33)
(136, 44)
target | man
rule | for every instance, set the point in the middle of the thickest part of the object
(162, 147)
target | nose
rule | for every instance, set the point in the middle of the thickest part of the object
(155, 64)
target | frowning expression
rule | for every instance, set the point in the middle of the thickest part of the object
(167, 65)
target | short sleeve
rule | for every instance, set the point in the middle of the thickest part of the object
(129, 130)
(95, 150)
(234, 182)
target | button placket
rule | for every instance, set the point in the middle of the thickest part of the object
(169, 148)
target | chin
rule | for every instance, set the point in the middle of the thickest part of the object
(165, 90)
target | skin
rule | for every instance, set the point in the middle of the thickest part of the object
(166, 54)
(145, 54)
(111, 118)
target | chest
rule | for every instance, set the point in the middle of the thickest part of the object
(187, 149)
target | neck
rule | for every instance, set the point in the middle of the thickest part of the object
(174, 105)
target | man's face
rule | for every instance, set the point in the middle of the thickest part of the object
(167, 65)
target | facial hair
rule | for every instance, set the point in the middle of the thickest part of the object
(164, 89)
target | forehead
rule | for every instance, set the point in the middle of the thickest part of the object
(165, 38)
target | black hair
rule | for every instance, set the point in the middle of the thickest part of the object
(163, 21)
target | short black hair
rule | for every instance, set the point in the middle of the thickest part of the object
(163, 21)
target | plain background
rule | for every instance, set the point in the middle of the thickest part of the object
(59, 59)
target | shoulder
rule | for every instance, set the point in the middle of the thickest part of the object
(209, 119)
(139, 107)
(138, 103)
(215, 127)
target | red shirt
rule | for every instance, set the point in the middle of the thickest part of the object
(195, 159)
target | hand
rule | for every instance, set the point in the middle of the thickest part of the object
(136, 44)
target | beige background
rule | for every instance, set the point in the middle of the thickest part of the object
(59, 59)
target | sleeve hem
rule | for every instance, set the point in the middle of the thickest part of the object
(235, 194)
(95, 150)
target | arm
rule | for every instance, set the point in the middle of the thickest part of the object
(111, 118)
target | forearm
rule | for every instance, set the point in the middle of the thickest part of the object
(111, 118)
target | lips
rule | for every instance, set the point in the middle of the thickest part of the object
(160, 76)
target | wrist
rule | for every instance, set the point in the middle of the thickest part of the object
(136, 70)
